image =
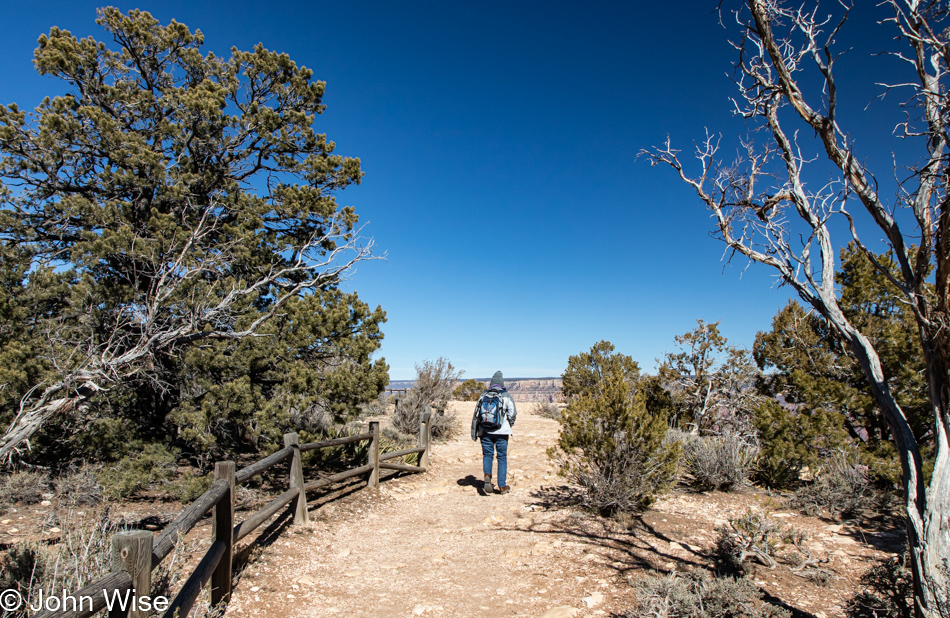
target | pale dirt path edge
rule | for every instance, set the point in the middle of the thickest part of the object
(430, 544)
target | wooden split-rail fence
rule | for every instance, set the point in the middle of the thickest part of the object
(135, 554)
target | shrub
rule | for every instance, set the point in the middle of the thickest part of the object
(24, 488)
(190, 488)
(432, 387)
(840, 487)
(133, 473)
(338, 456)
(754, 535)
(393, 435)
(82, 555)
(21, 569)
(314, 419)
(548, 410)
(696, 594)
(612, 446)
(723, 461)
(889, 593)
(794, 439)
(469, 390)
(79, 488)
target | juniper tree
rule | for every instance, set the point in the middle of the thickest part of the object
(586, 371)
(776, 206)
(610, 442)
(176, 198)
(808, 364)
(709, 380)
(469, 390)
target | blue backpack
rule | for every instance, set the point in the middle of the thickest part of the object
(491, 411)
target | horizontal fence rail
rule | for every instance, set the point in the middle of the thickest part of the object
(186, 520)
(336, 441)
(395, 454)
(136, 553)
(245, 474)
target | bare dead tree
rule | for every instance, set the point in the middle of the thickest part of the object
(767, 212)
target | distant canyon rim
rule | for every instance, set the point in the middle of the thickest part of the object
(535, 390)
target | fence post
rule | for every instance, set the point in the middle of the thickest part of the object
(132, 553)
(223, 530)
(425, 434)
(296, 480)
(374, 455)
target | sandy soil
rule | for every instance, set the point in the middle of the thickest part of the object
(434, 544)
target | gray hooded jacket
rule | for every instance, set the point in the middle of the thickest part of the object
(511, 413)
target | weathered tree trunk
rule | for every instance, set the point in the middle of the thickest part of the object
(29, 421)
(930, 561)
(928, 533)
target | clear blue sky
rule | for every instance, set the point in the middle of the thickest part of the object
(499, 143)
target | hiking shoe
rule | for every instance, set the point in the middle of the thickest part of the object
(504, 490)
(488, 487)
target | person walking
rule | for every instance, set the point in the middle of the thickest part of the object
(495, 414)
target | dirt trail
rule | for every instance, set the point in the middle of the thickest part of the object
(432, 545)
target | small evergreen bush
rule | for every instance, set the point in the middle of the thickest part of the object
(792, 440)
(611, 445)
(190, 488)
(469, 390)
(133, 473)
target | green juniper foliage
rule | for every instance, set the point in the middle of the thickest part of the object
(610, 442)
(170, 252)
(469, 390)
(792, 441)
(586, 371)
(831, 401)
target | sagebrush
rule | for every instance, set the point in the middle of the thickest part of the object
(697, 594)
(722, 461)
(432, 387)
(82, 555)
(840, 487)
(24, 487)
(549, 410)
(753, 536)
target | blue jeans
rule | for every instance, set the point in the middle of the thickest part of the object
(492, 443)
